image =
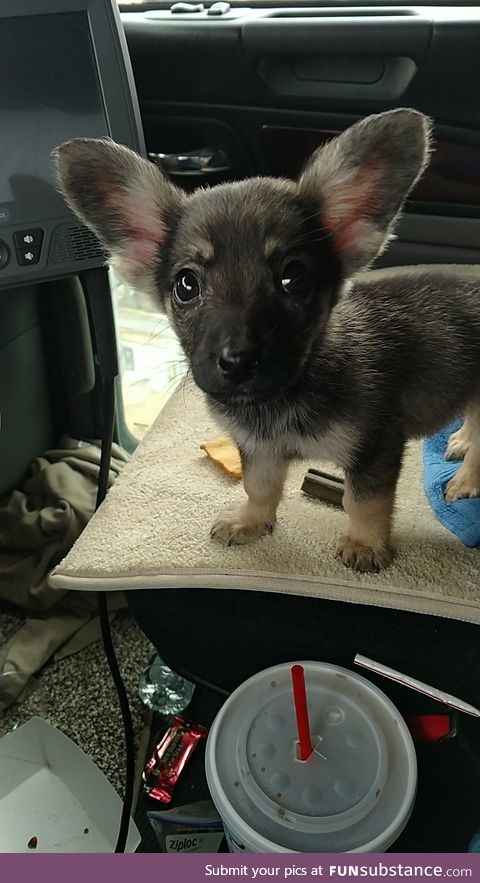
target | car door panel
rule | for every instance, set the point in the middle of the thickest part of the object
(267, 86)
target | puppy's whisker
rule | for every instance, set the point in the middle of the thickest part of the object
(312, 238)
(171, 385)
(184, 383)
(175, 363)
(168, 366)
(313, 216)
(161, 321)
(156, 333)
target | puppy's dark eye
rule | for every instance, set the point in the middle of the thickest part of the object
(295, 278)
(186, 287)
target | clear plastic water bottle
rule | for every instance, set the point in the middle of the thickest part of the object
(162, 690)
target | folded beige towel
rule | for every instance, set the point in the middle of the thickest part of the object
(152, 531)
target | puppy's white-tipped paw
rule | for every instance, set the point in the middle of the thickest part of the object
(234, 526)
(463, 485)
(458, 445)
(363, 558)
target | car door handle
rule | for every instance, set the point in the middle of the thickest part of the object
(193, 163)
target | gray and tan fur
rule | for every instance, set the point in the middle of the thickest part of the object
(299, 357)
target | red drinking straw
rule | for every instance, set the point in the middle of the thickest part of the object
(301, 710)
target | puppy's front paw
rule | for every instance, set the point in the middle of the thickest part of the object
(465, 484)
(458, 445)
(235, 526)
(362, 558)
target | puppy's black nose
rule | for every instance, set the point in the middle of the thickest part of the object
(237, 365)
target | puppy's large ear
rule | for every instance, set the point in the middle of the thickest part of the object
(124, 199)
(362, 178)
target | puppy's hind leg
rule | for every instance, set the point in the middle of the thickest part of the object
(368, 501)
(459, 442)
(366, 546)
(263, 480)
(466, 482)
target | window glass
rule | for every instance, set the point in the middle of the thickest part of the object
(152, 364)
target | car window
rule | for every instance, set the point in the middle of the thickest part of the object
(151, 361)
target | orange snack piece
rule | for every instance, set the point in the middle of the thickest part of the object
(224, 452)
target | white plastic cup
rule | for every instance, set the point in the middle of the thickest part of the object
(355, 792)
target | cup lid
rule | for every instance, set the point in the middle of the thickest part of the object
(356, 790)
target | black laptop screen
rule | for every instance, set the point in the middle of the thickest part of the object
(54, 96)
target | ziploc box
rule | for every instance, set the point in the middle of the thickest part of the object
(196, 827)
(52, 796)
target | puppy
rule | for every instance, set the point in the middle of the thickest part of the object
(297, 357)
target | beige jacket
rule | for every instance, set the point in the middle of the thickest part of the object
(38, 525)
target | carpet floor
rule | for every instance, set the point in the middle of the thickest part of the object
(77, 695)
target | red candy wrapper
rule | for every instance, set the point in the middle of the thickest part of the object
(169, 758)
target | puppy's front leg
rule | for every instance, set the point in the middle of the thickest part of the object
(263, 479)
(366, 545)
(368, 501)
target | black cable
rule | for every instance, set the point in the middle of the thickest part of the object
(107, 440)
(97, 289)
(127, 723)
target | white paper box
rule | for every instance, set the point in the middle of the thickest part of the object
(51, 790)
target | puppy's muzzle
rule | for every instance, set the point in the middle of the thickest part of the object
(237, 365)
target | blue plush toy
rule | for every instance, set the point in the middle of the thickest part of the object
(462, 517)
(475, 843)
